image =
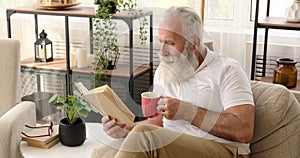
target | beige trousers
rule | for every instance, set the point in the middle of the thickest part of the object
(148, 141)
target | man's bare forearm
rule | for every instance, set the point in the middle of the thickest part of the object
(228, 125)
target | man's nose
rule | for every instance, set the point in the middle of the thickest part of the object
(164, 51)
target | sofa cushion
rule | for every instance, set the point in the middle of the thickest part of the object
(277, 122)
(10, 74)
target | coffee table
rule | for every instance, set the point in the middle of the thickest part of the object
(95, 135)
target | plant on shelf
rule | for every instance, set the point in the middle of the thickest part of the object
(72, 128)
(105, 37)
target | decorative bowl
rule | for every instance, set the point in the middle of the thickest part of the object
(56, 5)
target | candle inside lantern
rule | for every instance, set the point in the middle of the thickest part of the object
(42, 52)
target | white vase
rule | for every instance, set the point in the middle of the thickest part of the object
(292, 13)
(73, 59)
(82, 58)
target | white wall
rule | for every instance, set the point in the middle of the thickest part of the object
(231, 41)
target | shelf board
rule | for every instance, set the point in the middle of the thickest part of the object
(56, 64)
(73, 11)
(277, 23)
(76, 11)
(122, 70)
(270, 80)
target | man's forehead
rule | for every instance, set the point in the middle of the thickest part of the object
(171, 24)
(169, 35)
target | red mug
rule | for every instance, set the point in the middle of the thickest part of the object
(149, 103)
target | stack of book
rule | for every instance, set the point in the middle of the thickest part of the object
(44, 141)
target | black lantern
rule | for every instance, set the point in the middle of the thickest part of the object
(43, 48)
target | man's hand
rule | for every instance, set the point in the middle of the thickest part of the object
(174, 109)
(112, 129)
(235, 123)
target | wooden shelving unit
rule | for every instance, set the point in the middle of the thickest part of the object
(59, 65)
(267, 23)
(62, 65)
(277, 23)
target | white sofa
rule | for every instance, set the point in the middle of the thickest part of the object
(14, 114)
(277, 121)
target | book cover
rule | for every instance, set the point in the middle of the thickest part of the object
(44, 146)
(107, 102)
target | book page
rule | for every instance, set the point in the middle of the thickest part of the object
(82, 89)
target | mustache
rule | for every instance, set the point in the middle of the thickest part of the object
(168, 58)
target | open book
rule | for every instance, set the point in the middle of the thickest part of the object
(107, 102)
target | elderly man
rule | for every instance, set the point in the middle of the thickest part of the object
(207, 109)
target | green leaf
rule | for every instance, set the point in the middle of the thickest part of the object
(53, 98)
(83, 113)
(58, 104)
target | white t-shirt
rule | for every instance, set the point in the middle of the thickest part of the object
(219, 83)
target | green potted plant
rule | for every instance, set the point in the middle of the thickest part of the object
(105, 38)
(72, 130)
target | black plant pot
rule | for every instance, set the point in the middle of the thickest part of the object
(110, 66)
(72, 135)
(111, 5)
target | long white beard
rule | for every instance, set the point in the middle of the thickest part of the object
(176, 69)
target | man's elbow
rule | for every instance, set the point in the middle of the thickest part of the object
(245, 136)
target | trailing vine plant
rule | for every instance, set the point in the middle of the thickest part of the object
(105, 38)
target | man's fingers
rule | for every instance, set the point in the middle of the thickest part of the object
(108, 125)
(114, 131)
(161, 105)
(105, 119)
(161, 101)
(160, 108)
(111, 128)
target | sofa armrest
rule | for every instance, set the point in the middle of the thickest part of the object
(11, 125)
(296, 94)
(277, 121)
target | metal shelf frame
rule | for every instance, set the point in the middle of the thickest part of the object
(267, 23)
(89, 13)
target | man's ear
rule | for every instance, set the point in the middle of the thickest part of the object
(196, 42)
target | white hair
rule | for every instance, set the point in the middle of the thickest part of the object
(190, 21)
